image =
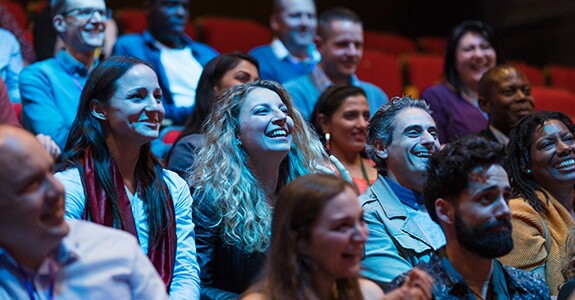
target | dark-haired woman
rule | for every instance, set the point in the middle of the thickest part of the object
(471, 51)
(541, 154)
(112, 178)
(218, 76)
(340, 118)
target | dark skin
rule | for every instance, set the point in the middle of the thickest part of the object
(167, 20)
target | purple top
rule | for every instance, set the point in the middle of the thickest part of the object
(454, 116)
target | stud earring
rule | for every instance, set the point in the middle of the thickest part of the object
(327, 140)
(528, 171)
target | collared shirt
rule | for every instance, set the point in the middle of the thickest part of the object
(449, 284)
(303, 66)
(185, 280)
(50, 92)
(92, 262)
(417, 211)
(11, 63)
(322, 81)
(501, 137)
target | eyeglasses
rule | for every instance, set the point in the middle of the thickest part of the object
(88, 13)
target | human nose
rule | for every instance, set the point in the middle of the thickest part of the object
(279, 116)
(54, 189)
(362, 123)
(360, 232)
(563, 148)
(427, 138)
(98, 16)
(503, 210)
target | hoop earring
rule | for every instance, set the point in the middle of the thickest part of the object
(327, 140)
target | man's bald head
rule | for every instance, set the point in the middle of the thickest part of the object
(504, 93)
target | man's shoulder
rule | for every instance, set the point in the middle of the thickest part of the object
(299, 83)
(527, 283)
(129, 38)
(38, 67)
(87, 235)
(261, 51)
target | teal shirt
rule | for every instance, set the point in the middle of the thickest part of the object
(50, 92)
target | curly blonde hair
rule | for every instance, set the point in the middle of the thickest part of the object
(223, 180)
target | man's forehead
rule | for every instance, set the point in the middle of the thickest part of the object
(413, 117)
(71, 4)
(481, 177)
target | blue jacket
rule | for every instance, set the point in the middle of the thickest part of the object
(272, 68)
(142, 46)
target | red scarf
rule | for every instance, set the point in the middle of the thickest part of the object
(163, 255)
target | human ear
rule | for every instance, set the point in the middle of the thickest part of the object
(97, 110)
(59, 23)
(483, 104)
(323, 123)
(444, 211)
(274, 23)
(380, 150)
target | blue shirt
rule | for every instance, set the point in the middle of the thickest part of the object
(186, 279)
(143, 47)
(277, 64)
(92, 262)
(11, 63)
(50, 92)
(305, 91)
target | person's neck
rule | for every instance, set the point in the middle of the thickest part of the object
(30, 255)
(126, 157)
(337, 79)
(298, 51)
(563, 194)
(87, 58)
(267, 171)
(351, 160)
(415, 185)
(323, 285)
(174, 42)
(504, 128)
(474, 268)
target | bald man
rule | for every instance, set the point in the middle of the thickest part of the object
(505, 95)
(42, 256)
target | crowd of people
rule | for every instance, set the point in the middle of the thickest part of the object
(291, 178)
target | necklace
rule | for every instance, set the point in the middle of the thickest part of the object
(363, 171)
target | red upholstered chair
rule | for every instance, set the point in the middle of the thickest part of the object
(171, 136)
(17, 11)
(230, 34)
(389, 42)
(17, 107)
(132, 20)
(562, 77)
(382, 70)
(422, 71)
(534, 74)
(432, 45)
(554, 99)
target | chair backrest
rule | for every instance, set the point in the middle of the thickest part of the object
(547, 98)
(432, 45)
(132, 20)
(17, 10)
(230, 34)
(562, 77)
(17, 107)
(534, 74)
(423, 70)
(382, 70)
(388, 42)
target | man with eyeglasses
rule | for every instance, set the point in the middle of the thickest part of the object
(51, 89)
(176, 58)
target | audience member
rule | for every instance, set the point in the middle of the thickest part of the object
(8, 22)
(541, 153)
(340, 43)
(112, 178)
(315, 213)
(51, 89)
(467, 193)
(10, 63)
(505, 96)
(471, 51)
(218, 76)
(568, 267)
(292, 52)
(43, 256)
(340, 118)
(401, 137)
(177, 59)
(255, 144)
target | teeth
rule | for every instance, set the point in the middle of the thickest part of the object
(279, 132)
(565, 163)
(422, 154)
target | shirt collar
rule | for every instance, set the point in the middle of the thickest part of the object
(499, 136)
(281, 52)
(405, 195)
(322, 82)
(71, 65)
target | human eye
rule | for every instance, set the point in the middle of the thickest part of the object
(507, 92)
(261, 110)
(350, 115)
(485, 45)
(284, 109)
(243, 78)
(413, 132)
(526, 90)
(568, 138)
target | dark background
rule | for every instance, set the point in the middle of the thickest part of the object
(539, 32)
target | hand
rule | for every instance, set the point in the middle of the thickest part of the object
(417, 285)
(49, 145)
(343, 172)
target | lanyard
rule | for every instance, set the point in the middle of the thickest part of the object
(30, 285)
(78, 84)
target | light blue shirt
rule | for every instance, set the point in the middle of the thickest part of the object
(11, 63)
(50, 92)
(92, 262)
(185, 280)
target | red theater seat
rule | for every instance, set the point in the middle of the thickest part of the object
(562, 77)
(389, 42)
(422, 71)
(433, 45)
(382, 70)
(534, 74)
(229, 34)
(554, 99)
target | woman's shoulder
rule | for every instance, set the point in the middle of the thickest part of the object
(370, 290)
(69, 177)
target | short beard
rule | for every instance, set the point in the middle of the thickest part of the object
(483, 242)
